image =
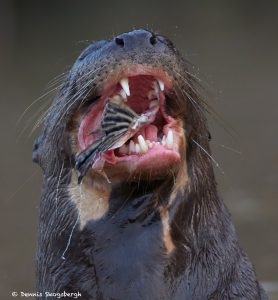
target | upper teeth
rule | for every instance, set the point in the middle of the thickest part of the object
(125, 86)
(153, 93)
(123, 94)
(161, 84)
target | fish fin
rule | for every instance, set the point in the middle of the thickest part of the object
(84, 159)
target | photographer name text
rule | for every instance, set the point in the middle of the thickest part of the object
(38, 295)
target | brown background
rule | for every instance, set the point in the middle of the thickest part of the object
(235, 45)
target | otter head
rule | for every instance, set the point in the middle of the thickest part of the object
(140, 69)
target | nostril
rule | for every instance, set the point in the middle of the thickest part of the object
(153, 40)
(120, 42)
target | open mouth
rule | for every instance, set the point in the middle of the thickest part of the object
(154, 146)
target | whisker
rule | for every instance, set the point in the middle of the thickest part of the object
(196, 104)
(204, 105)
(30, 121)
(81, 92)
(43, 116)
(46, 113)
(206, 152)
(123, 204)
(36, 101)
(22, 186)
(57, 79)
(231, 149)
(74, 225)
(57, 188)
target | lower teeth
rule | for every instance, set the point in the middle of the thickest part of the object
(143, 145)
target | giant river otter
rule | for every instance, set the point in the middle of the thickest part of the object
(144, 221)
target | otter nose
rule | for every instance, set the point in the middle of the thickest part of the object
(136, 39)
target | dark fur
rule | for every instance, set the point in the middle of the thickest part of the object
(122, 255)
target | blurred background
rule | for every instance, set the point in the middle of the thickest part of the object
(233, 43)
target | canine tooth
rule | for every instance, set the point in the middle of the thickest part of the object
(142, 143)
(125, 86)
(123, 94)
(161, 84)
(137, 148)
(131, 147)
(170, 139)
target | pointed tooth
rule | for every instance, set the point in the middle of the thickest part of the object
(131, 147)
(161, 84)
(125, 86)
(123, 94)
(137, 148)
(170, 139)
(143, 144)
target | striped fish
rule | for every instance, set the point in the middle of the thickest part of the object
(119, 123)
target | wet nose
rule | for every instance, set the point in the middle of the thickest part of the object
(136, 39)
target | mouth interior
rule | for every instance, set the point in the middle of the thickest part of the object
(140, 93)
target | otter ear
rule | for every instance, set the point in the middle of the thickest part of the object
(36, 152)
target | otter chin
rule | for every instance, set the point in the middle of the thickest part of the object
(145, 220)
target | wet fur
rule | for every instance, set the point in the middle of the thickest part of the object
(123, 255)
